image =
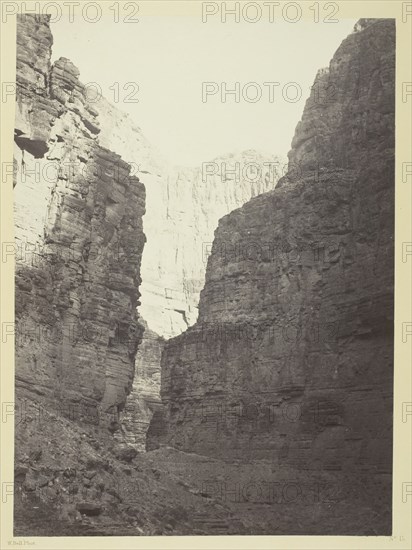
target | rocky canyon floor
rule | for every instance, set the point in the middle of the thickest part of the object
(71, 482)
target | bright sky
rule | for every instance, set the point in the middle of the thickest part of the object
(169, 58)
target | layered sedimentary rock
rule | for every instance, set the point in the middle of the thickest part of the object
(79, 241)
(144, 397)
(182, 215)
(183, 209)
(183, 206)
(68, 139)
(291, 358)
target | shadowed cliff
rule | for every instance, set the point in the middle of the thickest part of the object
(292, 356)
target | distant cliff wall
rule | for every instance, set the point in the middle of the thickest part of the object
(183, 209)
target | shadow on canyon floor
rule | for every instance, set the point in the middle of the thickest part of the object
(67, 483)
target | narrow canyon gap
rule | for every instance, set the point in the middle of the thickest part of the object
(274, 364)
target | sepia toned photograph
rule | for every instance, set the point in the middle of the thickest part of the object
(204, 248)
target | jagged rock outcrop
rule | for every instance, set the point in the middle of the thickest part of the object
(291, 358)
(79, 238)
(144, 397)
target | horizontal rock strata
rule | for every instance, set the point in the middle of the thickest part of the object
(183, 209)
(79, 241)
(183, 205)
(292, 355)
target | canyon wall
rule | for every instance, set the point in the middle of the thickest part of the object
(182, 213)
(78, 161)
(291, 358)
(79, 242)
(183, 210)
(183, 206)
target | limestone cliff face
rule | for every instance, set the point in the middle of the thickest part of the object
(182, 215)
(183, 206)
(292, 354)
(79, 237)
(72, 152)
(183, 209)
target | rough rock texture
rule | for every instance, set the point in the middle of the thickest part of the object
(70, 482)
(144, 397)
(182, 215)
(292, 354)
(70, 478)
(183, 209)
(79, 238)
(183, 206)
